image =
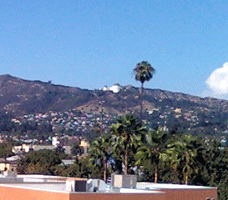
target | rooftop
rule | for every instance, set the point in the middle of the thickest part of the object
(77, 186)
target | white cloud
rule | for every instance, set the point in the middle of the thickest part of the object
(218, 80)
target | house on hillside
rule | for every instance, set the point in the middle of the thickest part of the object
(85, 145)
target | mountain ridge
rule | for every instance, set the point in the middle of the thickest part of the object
(25, 96)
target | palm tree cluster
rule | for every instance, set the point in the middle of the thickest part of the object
(121, 144)
(159, 156)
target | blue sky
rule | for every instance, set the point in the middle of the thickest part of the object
(92, 43)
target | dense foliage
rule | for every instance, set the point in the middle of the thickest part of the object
(160, 156)
(39, 162)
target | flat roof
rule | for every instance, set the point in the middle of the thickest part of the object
(51, 187)
(144, 185)
(58, 184)
(61, 187)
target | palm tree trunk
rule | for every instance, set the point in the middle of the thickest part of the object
(105, 171)
(186, 178)
(141, 106)
(186, 173)
(5, 169)
(125, 162)
(156, 174)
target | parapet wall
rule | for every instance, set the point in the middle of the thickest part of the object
(193, 194)
(14, 193)
(116, 196)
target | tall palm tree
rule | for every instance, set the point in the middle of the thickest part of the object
(143, 72)
(100, 153)
(126, 132)
(153, 150)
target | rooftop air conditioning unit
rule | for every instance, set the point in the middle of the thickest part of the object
(76, 185)
(124, 181)
(96, 185)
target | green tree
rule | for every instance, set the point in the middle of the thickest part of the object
(81, 168)
(212, 166)
(6, 150)
(5, 123)
(100, 152)
(126, 132)
(76, 149)
(153, 150)
(182, 153)
(60, 152)
(143, 72)
(39, 162)
(59, 149)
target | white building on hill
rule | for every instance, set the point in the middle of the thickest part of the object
(115, 88)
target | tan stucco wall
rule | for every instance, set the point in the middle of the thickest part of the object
(115, 196)
(190, 194)
(12, 193)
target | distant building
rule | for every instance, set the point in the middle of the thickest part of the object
(27, 148)
(105, 88)
(41, 147)
(55, 141)
(68, 162)
(177, 110)
(22, 148)
(5, 165)
(85, 145)
(10, 164)
(115, 88)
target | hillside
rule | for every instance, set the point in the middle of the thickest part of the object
(20, 97)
